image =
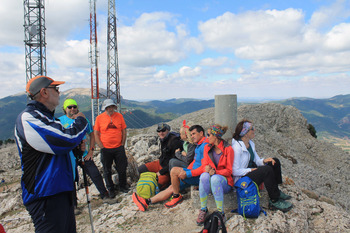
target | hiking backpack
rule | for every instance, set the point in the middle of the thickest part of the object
(211, 223)
(147, 185)
(248, 198)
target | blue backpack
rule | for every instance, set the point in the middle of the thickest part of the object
(248, 198)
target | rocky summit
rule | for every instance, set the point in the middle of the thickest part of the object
(315, 174)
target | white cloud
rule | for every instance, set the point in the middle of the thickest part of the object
(252, 53)
(73, 54)
(213, 61)
(11, 26)
(155, 39)
(252, 31)
(338, 38)
(12, 74)
(187, 72)
(66, 18)
(226, 70)
(148, 42)
(329, 15)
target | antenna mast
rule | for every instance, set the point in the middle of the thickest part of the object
(95, 93)
(34, 38)
(113, 88)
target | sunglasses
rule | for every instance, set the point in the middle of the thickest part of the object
(163, 130)
(54, 87)
(72, 106)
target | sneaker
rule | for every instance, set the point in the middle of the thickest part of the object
(140, 202)
(201, 217)
(109, 200)
(281, 205)
(284, 196)
(174, 202)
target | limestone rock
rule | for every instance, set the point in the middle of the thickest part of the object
(315, 173)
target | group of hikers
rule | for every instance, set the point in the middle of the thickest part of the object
(205, 159)
(52, 148)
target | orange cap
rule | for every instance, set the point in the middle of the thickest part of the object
(35, 84)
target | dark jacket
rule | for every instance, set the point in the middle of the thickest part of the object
(189, 153)
(167, 150)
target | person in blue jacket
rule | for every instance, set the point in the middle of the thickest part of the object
(44, 145)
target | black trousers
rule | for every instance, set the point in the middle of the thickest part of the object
(121, 162)
(93, 172)
(271, 175)
(54, 214)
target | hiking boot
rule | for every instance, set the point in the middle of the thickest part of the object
(111, 193)
(77, 210)
(124, 189)
(140, 202)
(281, 205)
(201, 217)
(109, 200)
(284, 196)
(174, 201)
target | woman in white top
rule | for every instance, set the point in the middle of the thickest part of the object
(248, 163)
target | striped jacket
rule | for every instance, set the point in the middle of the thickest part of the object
(43, 146)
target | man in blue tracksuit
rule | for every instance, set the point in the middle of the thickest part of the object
(44, 144)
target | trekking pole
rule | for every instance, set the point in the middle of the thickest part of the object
(87, 195)
(82, 165)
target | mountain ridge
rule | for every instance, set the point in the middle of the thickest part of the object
(330, 116)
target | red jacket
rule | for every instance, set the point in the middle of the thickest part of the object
(225, 164)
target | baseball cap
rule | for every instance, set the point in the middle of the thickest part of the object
(163, 126)
(107, 103)
(35, 84)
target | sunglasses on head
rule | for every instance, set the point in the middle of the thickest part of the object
(73, 106)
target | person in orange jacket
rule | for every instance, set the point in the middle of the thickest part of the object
(216, 169)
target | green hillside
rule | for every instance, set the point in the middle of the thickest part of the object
(330, 117)
(136, 114)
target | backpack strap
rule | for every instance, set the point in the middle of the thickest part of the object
(210, 220)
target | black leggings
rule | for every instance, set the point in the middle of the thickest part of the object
(271, 176)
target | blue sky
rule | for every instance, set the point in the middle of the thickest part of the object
(192, 49)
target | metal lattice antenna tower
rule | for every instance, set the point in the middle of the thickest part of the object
(34, 38)
(113, 89)
(95, 93)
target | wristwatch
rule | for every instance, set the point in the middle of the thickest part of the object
(92, 148)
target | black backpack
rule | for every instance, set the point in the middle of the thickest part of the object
(211, 223)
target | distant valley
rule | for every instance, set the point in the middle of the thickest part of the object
(330, 117)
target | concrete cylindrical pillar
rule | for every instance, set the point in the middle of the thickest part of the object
(226, 113)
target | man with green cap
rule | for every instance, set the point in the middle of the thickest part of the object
(70, 108)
